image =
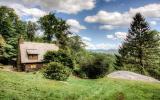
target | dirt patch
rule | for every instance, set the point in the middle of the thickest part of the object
(131, 76)
(6, 67)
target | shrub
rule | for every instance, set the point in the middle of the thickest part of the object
(60, 56)
(154, 72)
(95, 68)
(79, 73)
(56, 71)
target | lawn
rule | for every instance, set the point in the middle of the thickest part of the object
(32, 86)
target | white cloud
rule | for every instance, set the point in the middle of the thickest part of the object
(153, 23)
(120, 35)
(21, 10)
(110, 36)
(110, 18)
(108, 27)
(150, 10)
(123, 19)
(75, 25)
(86, 39)
(65, 6)
(117, 35)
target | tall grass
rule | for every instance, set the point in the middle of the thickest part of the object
(30, 86)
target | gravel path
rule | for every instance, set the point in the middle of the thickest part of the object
(131, 76)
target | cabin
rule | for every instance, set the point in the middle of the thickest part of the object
(30, 55)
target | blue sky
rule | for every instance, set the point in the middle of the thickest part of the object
(102, 24)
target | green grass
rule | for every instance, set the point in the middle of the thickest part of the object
(30, 86)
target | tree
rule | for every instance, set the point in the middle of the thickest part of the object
(60, 56)
(54, 28)
(6, 51)
(76, 46)
(96, 66)
(141, 47)
(76, 43)
(11, 28)
(31, 30)
(2, 41)
(2, 45)
(8, 20)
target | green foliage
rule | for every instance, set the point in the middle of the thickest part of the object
(96, 67)
(2, 47)
(60, 56)
(11, 28)
(10, 25)
(140, 51)
(54, 28)
(76, 48)
(56, 71)
(31, 30)
(39, 39)
(8, 19)
(75, 43)
(83, 56)
(6, 51)
(7, 54)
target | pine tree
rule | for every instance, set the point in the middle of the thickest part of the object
(140, 50)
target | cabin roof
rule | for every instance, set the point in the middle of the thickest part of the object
(35, 48)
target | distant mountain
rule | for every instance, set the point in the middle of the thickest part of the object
(109, 51)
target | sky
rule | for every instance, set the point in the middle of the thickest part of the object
(102, 24)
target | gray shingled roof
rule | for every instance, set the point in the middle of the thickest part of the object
(35, 48)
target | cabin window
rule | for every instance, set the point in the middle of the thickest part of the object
(33, 65)
(33, 57)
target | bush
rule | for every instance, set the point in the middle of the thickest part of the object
(154, 72)
(59, 56)
(95, 68)
(56, 71)
(79, 73)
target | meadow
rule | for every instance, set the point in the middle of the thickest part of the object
(33, 86)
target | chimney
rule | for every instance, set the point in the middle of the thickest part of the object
(21, 40)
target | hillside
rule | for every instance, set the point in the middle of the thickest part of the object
(32, 86)
(109, 51)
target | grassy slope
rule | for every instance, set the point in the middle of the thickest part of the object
(29, 86)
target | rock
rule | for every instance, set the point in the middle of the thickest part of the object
(131, 76)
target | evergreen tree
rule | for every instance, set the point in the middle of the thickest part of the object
(140, 50)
